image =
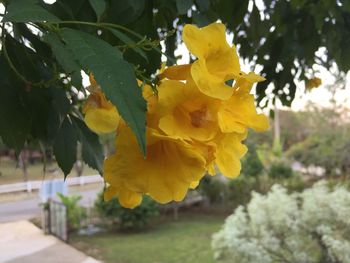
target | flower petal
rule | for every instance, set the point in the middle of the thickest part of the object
(102, 120)
(177, 72)
(211, 85)
(230, 151)
(166, 173)
(239, 113)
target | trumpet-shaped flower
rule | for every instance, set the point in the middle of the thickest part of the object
(165, 174)
(217, 61)
(185, 112)
(101, 115)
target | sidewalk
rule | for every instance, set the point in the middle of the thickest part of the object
(21, 241)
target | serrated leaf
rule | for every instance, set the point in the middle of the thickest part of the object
(114, 74)
(59, 108)
(59, 100)
(127, 40)
(65, 146)
(91, 148)
(183, 6)
(27, 11)
(65, 57)
(99, 7)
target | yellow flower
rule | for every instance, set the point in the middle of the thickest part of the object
(239, 112)
(229, 152)
(166, 173)
(185, 112)
(313, 83)
(217, 61)
(101, 115)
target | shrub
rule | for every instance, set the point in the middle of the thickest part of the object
(124, 218)
(251, 163)
(294, 183)
(312, 226)
(239, 190)
(280, 169)
(75, 213)
(213, 188)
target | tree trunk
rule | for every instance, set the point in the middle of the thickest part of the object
(23, 163)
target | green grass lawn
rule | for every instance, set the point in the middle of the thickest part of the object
(9, 173)
(186, 240)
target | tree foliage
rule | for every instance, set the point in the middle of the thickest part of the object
(325, 142)
(44, 48)
(125, 218)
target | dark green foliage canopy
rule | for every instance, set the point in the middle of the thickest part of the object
(44, 47)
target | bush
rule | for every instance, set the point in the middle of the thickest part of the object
(75, 213)
(251, 163)
(213, 188)
(312, 226)
(239, 189)
(124, 218)
(280, 169)
(294, 183)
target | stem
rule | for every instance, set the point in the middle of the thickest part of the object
(12, 66)
(7, 57)
(103, 25)
(110, 25)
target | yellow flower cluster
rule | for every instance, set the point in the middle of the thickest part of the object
(195, 124)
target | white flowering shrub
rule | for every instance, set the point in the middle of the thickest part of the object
(307, 227)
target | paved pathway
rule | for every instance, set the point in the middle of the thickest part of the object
(21, 241)
(27, 209)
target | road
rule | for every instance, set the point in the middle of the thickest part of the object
(26, 209)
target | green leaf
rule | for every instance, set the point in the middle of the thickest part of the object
(28, 11)
(114, 74)
(65, 57)
(127, 40)
(124, 12)
(59, 100)
(99, 7)
(65, 146)
(91, 148)
(200, 19)
(204, 5)
(183, 6)
(59, 108)
(27, 62)
(14, 117)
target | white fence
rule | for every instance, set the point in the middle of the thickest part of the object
(36, 185)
